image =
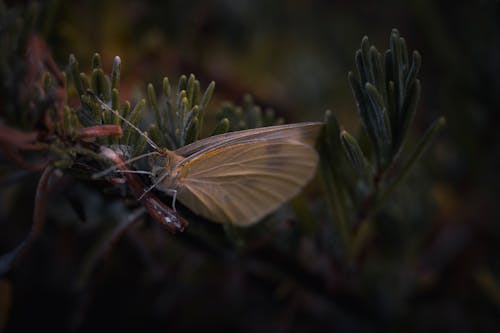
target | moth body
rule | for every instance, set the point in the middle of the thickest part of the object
(239, 177)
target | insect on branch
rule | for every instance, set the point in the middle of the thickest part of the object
(166, 216)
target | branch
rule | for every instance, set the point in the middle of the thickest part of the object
(8, 260)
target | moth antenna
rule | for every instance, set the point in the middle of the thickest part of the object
(116, 166)
(142, 172)
(160, 179)
(104, 105)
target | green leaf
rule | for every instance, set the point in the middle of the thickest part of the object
(355, 156)
(182, 84)
(180, 108)
(85, 81)
(253, 116)
(96, 61)
(154, 105)
(115, 73)
(192, 132)
(191, 115)
(397, 59)
(378, 70)
(410, 108)
(361, 58)
(207, 96)
(100, 85)
(166, 87)
(190, 91)
(414, 70)
(156, 135)
(75, 75)
(139, 145)
(134, 118)
(361, 103)
(126, 109)
(330, 149)
(379, 124)
(332, 134)
(222, 127)
(169, 113)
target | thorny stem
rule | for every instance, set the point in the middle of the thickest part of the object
(100, 131)
(8, 260)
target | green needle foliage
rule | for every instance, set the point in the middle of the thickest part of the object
(356, 182)
(179, 117)
(67, 117)
(246, 116)
(386, 90)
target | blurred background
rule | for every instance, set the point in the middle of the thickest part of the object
(434, 269)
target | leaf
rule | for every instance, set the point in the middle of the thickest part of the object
(134, 118)
(378, 122)
(115, 73)
(75, 75)
(207, 96)
(355, 156)
(222, 127)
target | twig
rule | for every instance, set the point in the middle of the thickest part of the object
(100, 131)
(8, 260)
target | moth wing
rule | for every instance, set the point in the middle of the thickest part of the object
(241, 184)
(302, 132)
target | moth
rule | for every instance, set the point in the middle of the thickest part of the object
(237, 177)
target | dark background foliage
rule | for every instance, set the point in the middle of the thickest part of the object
(433, 262)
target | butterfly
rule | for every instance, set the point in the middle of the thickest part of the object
(236, 177)
(239, 177)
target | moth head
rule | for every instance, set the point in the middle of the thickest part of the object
(159, 165)
(163, 166)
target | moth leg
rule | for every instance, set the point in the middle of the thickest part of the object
(160, 179)
(146, 191)
(174, 196)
